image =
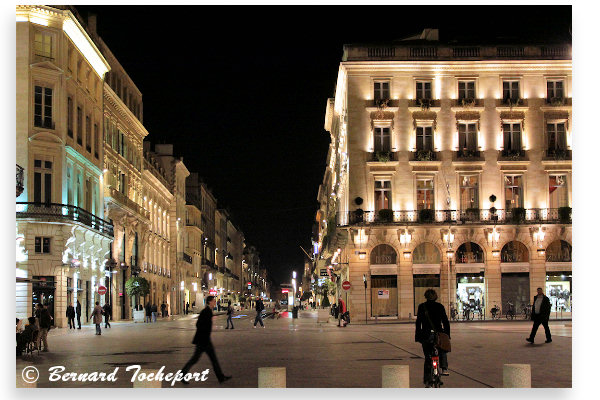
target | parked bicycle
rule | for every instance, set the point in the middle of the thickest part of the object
(510, 311)
(453, 313)
(495, 311)
(467, 315)
(526, 311)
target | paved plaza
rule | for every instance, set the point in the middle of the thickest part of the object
(315, 355)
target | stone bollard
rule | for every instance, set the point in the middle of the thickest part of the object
(271, 377)
(395, 376)
(145, 383)
(516, 376)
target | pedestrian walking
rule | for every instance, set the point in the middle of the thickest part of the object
(218, 305)
(71, 316)
(154, 312)
(44, 320)
(97, 318)
(148, 310)
(341, 311)
(78, 314)
(203, 343)
(163, 309)
(187, 308)
(229, 315)
(431, 318)
(107, 308)
(540, 314)
(259, 307)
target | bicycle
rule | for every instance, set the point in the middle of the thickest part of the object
(510, 312)
(453, 313)
(495, 311)
(435, 380)
(526, 311)
(466, 313)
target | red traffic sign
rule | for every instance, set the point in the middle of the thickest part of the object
(212, 292)
(102, 290)
(346, 285)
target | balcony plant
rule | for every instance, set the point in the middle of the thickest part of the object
(557, 101)
(383, 156)
(424, 155)
(518, 215)
(426, 215)
(425, 104)
(467, 103)
(564, 215)
(385, 215)
(493, 215)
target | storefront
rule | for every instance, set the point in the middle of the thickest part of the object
(470, 293)
(422, 282)
(515, 289)
(43, 292)
(384, 281)
(559, 290)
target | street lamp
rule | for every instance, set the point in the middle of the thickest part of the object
(449, 239)
(365, 283)
(294, 287)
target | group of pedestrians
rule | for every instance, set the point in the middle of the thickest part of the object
(73, 312)
(432, 319)
(151, 312)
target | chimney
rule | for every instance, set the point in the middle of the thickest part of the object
(91, 22)
(430, 34)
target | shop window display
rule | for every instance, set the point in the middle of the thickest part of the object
(559, 251)
(470, 299)
(383, 254)
(514, 252)
(558, 290)
(422, 282)
(469, 253)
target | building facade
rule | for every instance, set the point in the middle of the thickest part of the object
(449, 168)
(62, 235)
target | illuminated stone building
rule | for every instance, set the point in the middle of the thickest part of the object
(62, 233)
(449, 167)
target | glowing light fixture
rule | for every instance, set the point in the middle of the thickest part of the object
(76, 33)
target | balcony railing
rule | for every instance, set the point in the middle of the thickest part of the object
(512, 155)
(19, 180)
(208, 263)
(424, 155)
(467, 155)
(64, 212)
(187, 258)
(456, 217)
(558, 154)
(424, 104)
(467, 103)
(383, 156)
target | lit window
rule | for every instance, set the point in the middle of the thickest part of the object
(559, 195)
(425, 193)
(513, 191)
(383, 195)
(43, 45)
(469, 192)
(42, 110)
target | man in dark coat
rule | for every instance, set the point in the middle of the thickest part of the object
(71, 316)
(203, 343)
(436, 313)
(78, 313)
(148, 312)
(163, 309)
(107, 308)
(259, 307)
(45, 321)
(540, 314)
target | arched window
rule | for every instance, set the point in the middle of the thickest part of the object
(514, 252)
(559, 251)
(426, 253)
(469, 252)
(383, 254)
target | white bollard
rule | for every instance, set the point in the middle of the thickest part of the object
(516, 376)
(271, 377)
(395, 376)
(148, 382)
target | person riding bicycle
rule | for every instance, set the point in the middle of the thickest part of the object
(431, 310)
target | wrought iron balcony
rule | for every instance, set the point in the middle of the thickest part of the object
(512, 155)
(424, 104)
(187, 258)
(467, 103)
(63, 213)
(456, 217)
(468, 155)
(424, 155)
(20, 186)
(558, 154)
(383, 156)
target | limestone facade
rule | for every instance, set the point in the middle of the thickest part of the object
(422, 135)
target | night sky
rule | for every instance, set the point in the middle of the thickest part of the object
(241, 93)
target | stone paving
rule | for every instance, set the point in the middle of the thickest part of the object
(315, 355)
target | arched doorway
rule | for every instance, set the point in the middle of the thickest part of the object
(515, 288)
(427, 258)
(384, 281)
(470, 286)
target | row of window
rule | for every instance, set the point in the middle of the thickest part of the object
(76, 127)
(83, 192)
(511, 89)
(120, 142)
(468, 137)
(118, 85)
(558, 195)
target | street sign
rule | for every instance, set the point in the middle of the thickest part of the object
(323, 272)
(212, 292)
(102, 290)
(346, 285)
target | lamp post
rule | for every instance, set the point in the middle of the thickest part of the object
(365, 283)
(449, 239)
(294, 287)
